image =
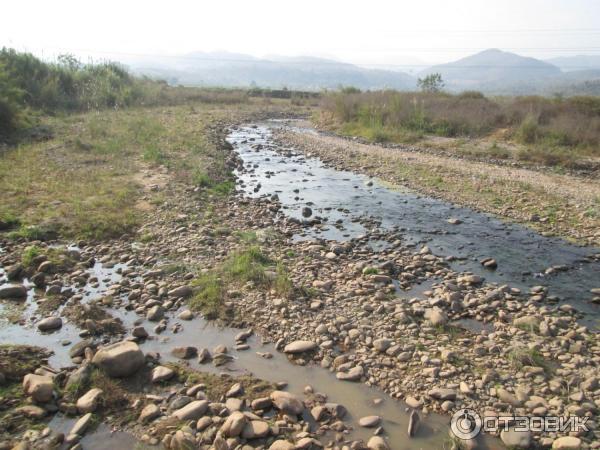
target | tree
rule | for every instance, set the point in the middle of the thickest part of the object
(431, 83)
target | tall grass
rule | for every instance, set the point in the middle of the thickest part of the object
(29, 86)
(571, 123)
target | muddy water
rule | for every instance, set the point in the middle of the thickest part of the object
(341, 199)
(357, 398)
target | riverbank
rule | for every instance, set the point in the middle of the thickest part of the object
(442, 340)
(553, 204)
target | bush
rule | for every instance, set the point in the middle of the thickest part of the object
(572, 123)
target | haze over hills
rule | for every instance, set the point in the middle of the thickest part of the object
(228, 69)
(576, 63)
(491, 71)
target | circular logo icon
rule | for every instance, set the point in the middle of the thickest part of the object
(465, 424)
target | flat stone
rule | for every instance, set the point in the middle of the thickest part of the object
(149, 413)
(369, 421)
(567, 443)
(299, 347)
(192, 411)
(79, 348)
(89, 401)
(354, 374)
(13, 291)
(442, 394)
(81, 425)
(49, 323)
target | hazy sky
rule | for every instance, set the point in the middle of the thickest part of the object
(366, 31)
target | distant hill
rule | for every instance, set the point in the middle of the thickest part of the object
(493, 70)
(576, 63)
(230, 69)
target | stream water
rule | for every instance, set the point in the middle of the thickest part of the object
(341, 198)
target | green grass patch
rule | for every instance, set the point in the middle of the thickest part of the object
(250, 265)
(209, 296)
(523, 356)
(30, 254)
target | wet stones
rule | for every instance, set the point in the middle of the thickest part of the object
(413, 423)
(306, 212)
(186, 314)
(139, 332)
(81, 425)
(353, 374)
(489, 263)
(78, 349)
(184, 352)
(377, 443)
(119, 360)
(369, 421)
(155, 313)
(49, 324)
(13, 291)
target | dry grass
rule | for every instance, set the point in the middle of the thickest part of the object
(554, 132)
(83, 182)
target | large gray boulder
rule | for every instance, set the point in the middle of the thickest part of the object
(119, 360)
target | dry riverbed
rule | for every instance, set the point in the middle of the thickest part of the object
(398, 319)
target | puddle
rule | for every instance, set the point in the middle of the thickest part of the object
(339, 199)
(103, 438)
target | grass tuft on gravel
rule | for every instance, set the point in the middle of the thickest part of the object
(249, 265)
